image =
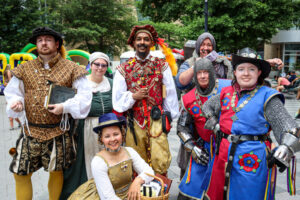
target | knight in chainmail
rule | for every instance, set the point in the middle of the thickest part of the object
(205, 47)
(195, 152)
(243, 117)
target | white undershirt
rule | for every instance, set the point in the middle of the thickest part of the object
(102, 181)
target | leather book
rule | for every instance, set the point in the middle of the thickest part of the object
(59, 94)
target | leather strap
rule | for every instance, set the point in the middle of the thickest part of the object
(44, 125)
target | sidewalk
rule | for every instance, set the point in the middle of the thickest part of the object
(40, 178)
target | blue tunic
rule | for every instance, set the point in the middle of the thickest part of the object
(195, 186)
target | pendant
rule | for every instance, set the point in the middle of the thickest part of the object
(234, 118)
(124, 166)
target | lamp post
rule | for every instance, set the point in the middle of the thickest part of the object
(46, 12)
(205, 15)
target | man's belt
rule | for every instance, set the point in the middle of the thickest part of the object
(235, 140)
(44, 125)
(243, 138)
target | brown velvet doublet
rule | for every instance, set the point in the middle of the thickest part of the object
(36, 81)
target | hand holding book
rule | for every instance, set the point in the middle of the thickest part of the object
(58, 95)
(56, 109)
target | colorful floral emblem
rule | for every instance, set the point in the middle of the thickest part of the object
(195, 109)
(249, 162)
(225, 101)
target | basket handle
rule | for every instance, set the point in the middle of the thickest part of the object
(161, 182)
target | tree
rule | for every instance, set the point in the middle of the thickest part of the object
(92, 25)
(98, 25)
(17, 20)
(235, 25)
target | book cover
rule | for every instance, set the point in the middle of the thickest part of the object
(59, 94)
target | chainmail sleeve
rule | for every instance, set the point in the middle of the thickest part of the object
(212, 107)
(280, 120)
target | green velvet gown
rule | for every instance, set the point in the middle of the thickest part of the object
(77, 173)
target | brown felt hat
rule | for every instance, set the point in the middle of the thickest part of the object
(45, 31)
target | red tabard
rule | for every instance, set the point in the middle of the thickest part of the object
(139, 74)
(192, 106)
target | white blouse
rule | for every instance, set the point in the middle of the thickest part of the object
(102, 181)
(103, 86)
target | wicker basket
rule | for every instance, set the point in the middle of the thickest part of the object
(162, 195)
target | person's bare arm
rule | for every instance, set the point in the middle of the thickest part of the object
(292, 83)
(275, 62)
(9, 75)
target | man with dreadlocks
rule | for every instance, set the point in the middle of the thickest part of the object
(190, 129)
(144, 89)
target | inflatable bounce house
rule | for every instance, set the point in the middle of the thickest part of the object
(28, 53)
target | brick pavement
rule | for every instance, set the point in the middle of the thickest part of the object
(40, 178)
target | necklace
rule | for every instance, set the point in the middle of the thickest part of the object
(111, 150)
(242, 105)
(124, 166)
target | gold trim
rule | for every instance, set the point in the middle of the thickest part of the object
(191, 197)
(108, 122)
(48, 98)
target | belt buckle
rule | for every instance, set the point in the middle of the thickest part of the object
(233, 138)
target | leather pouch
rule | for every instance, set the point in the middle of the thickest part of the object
(155, 113)
(166, 121)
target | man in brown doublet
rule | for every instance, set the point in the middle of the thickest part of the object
(45, 139)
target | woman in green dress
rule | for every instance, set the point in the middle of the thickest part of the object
(87, 143)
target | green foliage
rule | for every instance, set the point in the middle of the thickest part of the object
(92, 25)
(98, 25)
(235, 24)
(17, 20)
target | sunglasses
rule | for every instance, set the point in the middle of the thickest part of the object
(98, 65)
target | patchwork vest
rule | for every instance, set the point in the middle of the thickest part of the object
(36, 81)
(139, 74)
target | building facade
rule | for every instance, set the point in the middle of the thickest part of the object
(285, 45)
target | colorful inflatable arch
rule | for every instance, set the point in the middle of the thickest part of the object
(78, 52)
(29, 48)
(19, 58)
(4, 60)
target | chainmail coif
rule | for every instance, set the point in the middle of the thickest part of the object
(205, 64)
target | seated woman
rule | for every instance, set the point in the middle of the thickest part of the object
(281, 81)
(293, 86)
(112, 167)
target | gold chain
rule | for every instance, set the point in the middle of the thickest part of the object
(242, 105)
